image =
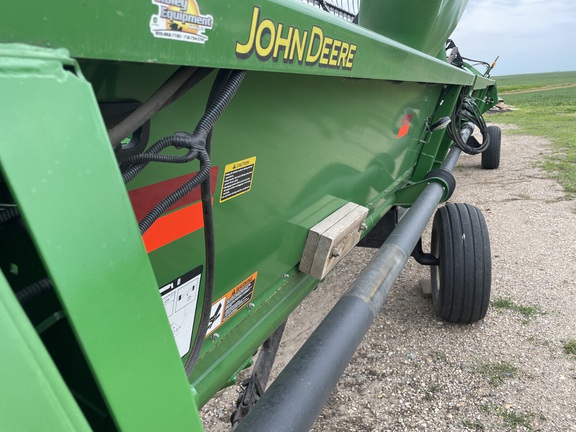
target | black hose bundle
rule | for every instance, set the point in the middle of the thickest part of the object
(195, 148)
(177, 85)
(465, 112)
(224, 88)
(132, 166)
(218, 101)
(198, 144)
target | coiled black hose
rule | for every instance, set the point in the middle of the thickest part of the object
(466, 111)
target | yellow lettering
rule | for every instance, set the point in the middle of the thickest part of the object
(261, 51)
(312, 47)
(350, 58)
(298, 45)
(283, 42)
(316, 33)
(334, 53)
(326, 50)
(244, 50)
(343, 53)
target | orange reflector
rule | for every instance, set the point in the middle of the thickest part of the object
(405, 126)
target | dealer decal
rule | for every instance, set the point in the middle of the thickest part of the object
(269, 40)
(180, 20)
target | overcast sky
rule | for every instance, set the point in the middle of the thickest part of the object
(528, 35)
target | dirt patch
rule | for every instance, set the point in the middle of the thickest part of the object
(507, 372)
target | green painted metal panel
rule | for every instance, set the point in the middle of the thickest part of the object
(111, 30)
(62, 173)
(424, 26)
(38, 398)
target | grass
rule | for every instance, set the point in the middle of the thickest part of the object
(550, 113)
(473, 425)
(570, 347)
(440, 355)
(497, 373)
(512, 419)
(506, 303)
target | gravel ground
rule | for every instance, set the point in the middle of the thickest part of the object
(507, 372)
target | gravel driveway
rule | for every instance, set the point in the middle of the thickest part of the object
(508, 372)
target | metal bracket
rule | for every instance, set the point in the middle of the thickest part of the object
(406, 196)
(422, 257)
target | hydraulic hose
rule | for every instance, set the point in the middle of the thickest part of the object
(223, 90)
(225, 86)
(33, 291)
(177, 85)
(466, 111)
(132, 166)
(181, 192)
(219, 104)
(8, 213)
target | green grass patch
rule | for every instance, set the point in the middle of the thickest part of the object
(550, 113)
(529, 81)
(514, 420)
(497, 373)
(473, 425)
(506, 303)
(570, 347)
(440, 355)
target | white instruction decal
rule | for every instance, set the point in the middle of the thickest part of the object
(180, 298)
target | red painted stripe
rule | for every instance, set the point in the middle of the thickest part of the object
(173, 226)
(145, 198)
(405, 126)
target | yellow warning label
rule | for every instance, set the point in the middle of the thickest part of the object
(237, 178)
(232, 302)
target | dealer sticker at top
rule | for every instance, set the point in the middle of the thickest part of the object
(180, 20)
(237, 178)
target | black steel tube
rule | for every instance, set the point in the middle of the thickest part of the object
(297, 396)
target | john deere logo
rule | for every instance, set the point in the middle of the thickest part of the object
(180, 20)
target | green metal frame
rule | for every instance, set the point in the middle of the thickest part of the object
(88, 239)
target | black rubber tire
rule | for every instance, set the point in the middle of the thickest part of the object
(462, 279)
(491, 156)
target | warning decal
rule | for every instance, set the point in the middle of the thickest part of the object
(231, 303)
(180, 297)
(237, 178)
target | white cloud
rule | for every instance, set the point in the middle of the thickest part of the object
(529, 35)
